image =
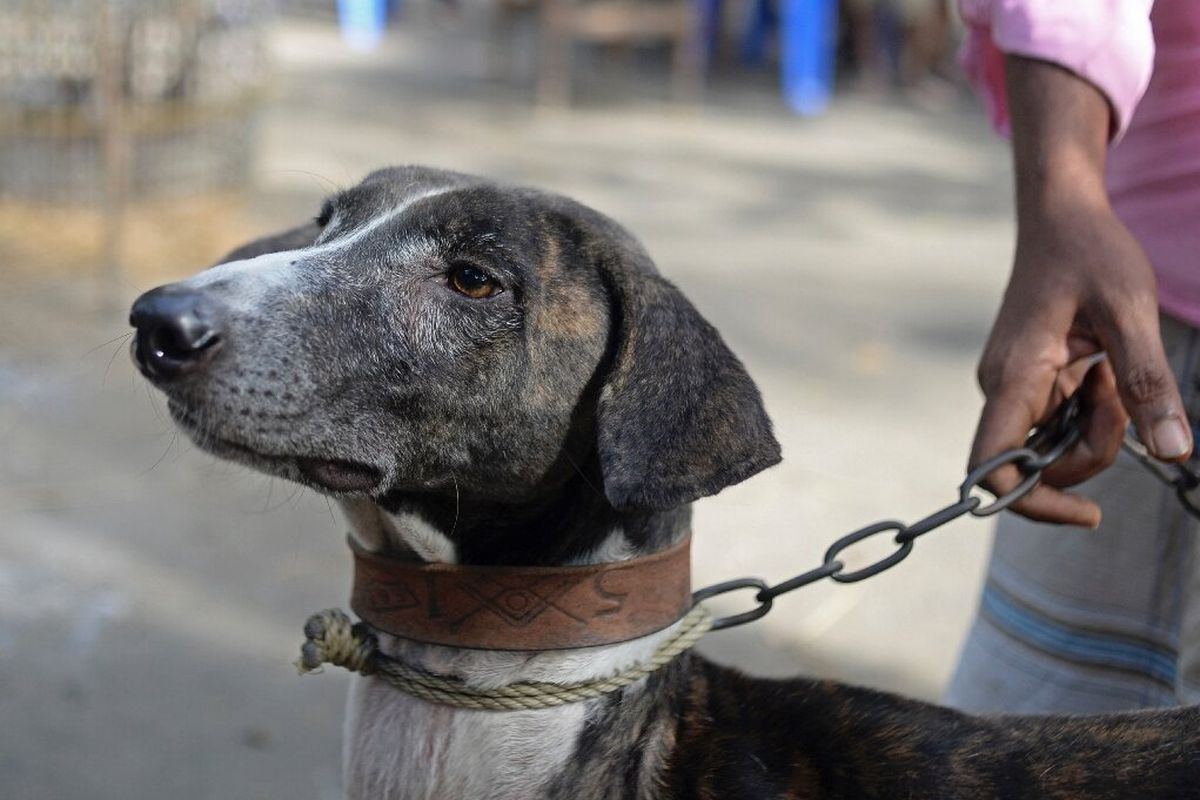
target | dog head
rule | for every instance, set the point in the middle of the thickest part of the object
(431, 331)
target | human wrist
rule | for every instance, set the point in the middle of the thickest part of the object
(1059, 139)
(1062, 186)
(1064, 215)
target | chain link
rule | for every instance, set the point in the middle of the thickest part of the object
(1044, 447)
(1182, 478)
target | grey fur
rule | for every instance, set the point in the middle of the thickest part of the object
(348, 349)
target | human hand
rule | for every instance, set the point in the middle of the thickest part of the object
(1080, 285)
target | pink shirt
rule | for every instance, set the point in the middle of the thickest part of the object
(1145, 56)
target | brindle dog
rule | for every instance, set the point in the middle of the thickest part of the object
(494, 375)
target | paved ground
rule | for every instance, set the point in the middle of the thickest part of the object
(150, 598)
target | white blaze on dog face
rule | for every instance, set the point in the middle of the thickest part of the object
(254, 282)
(250, 283)
(400, 348)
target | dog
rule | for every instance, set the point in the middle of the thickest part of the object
(489, 375)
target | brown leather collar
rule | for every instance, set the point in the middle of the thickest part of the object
(522, 608)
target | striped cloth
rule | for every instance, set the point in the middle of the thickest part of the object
(1074, 621)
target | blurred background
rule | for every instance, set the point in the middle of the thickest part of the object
(813, 174)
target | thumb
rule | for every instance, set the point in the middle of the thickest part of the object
(1148, 390)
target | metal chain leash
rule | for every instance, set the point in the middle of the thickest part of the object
(1045, 446)
(1183, 478)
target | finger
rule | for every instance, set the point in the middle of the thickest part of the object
(1008, 416)
(1005, 422)
(1047, 504)
(1147, 387)
(1083, 350)
(1073, 376)
(1103, 429)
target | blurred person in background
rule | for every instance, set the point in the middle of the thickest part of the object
(1102, 100)
(901, 42)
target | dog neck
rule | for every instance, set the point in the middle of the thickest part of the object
(439, 751)
(568, 522)
(411, 533)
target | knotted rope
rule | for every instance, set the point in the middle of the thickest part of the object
(333, 639)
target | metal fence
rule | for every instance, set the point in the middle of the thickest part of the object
(109, 103)
(158, 95)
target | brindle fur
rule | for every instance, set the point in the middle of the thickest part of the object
(591, 398)
(706, 731)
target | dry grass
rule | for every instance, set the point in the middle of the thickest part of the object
(163, 239)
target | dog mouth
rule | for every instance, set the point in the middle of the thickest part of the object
(338, 475)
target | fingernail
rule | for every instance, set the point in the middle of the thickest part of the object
(1170, 438)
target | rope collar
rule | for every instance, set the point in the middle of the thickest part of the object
(333, 639)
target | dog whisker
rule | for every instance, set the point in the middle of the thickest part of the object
(292, 498)
(334, 187)
(270, 491)
(590, 485)
(287, 500)
(154, 405)
(126, 335)
(120, 342)
(151, 468)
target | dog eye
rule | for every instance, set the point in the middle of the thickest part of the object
(473, 282)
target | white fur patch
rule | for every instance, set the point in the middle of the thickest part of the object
(378, 531)
(426, 541)
(368, 524)
(615, 547)
(401, 748)
(258, 278)
(347, 239)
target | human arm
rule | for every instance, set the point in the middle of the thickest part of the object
(1080, 285)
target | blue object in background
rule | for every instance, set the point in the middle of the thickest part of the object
(808, 42)
(762, 23)
(363, 22)
(710, 27)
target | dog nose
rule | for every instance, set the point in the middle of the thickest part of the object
(178, 331)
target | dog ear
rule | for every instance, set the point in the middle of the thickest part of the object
(679, 418)
(293, 239)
